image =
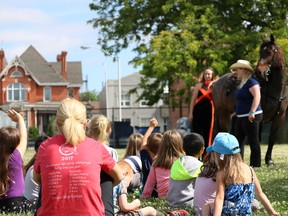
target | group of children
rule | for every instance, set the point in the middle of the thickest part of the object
(166, 166)
(171, 170)
(222, 185)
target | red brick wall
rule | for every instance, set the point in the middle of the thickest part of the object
(182, 108)
(34, 92)
(77, 93)
(59, 93)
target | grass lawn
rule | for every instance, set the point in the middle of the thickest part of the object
(274, 180)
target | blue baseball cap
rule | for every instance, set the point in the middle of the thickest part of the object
(224, 144)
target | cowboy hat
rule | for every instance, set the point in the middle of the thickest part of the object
(241, 64)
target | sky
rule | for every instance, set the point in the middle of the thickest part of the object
(59, 25)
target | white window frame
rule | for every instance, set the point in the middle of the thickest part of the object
(143, 103)
(16, 73)
(13, 89)
(125, 100)
(47, 90)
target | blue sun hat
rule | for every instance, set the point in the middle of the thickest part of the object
(224, 144)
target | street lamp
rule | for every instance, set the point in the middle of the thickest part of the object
(115, 58)
(106, 91)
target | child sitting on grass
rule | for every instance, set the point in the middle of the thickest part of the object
(205, 185)
(13, 145)
(171, 149)
(236, 181)
(184, 171)
(149, 151)
(134, 145)
(100, 129)
(121, 203)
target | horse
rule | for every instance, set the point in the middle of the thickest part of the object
(271, 74)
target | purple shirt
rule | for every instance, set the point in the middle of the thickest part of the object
(15, 166)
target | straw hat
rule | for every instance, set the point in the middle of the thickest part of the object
(241, 64)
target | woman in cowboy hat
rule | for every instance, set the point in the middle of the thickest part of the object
(248, 110)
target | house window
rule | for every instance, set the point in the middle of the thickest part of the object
(16, 92)
(143, 103)
(16, 73)
(47, 93)
(70, 93)
(125, 100)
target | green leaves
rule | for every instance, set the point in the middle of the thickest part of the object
(89, 96)
(177, 39)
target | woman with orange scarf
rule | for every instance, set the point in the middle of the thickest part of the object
(201, 107)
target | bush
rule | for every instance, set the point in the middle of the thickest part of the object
(33, 133)
(50, 131)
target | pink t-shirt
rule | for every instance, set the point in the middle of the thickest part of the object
(159, 176)
(205, 191)
(70, 176)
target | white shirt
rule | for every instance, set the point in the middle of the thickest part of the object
(31, 190)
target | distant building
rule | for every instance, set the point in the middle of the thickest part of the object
(138, 114)
(182, 107)
(31, 84)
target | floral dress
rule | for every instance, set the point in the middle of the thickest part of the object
(238, 199)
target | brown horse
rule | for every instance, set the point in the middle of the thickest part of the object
(271, 73)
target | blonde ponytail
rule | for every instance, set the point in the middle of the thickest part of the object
(71, 120)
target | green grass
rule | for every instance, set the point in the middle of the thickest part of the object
(274, 180)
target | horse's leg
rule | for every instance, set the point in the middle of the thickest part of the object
(275, 125)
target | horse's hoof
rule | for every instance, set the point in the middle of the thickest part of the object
(270, 162)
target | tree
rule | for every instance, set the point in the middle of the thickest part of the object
(33, 133)
(50, 126)
(177, 39)
(89, 96)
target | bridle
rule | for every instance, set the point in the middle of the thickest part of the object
(267, 72)
(265, 76)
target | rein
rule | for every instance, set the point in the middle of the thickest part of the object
(279, 100)
(268, 70)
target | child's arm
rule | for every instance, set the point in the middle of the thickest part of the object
(263, 198)
(153, 124)
(16, 117)
(220, 191)
(125, 206)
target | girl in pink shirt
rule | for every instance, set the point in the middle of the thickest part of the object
(170, 150)
(205, 185)
(68, 165)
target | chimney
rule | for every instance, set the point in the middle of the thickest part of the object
(62, 58)
(2, 60)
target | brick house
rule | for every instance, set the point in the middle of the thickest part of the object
(36, 87)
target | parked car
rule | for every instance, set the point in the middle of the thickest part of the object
(183, 126)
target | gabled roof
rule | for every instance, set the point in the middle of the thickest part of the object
(40, 69)
(16, 61)
(74, 72)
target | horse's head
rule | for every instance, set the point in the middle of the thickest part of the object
(271, 56)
